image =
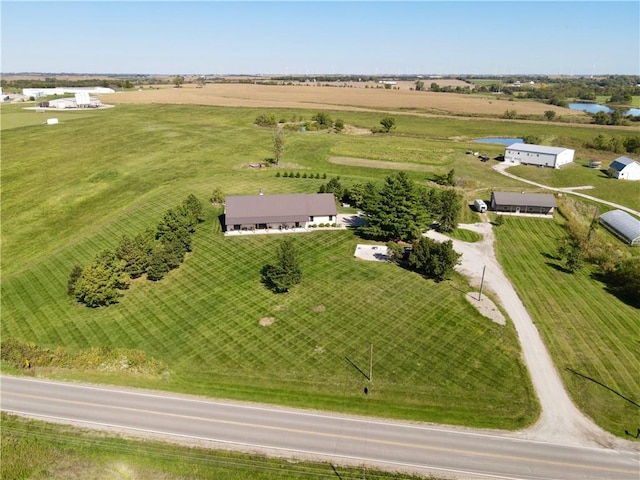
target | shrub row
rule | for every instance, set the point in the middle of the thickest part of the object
(153, 253)
(301, 175)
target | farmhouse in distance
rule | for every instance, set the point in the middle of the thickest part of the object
(541, 155)
(279, 212)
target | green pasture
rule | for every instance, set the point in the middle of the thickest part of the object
(71, 190)
(585, 328)
(35, 450)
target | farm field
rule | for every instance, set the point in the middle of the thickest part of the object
(585, 328)
(32, 449)
(336, 98)
(72, 190)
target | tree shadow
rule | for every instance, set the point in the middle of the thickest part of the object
(628, 298)
(558, 267)
(550, 257)
(632, 402)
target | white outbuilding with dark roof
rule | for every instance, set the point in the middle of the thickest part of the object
(541, 155)
(625, 168)
(280, 212)
(622, 225)
(532, 203)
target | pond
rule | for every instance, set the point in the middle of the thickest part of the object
(596, 107)
(500, 140)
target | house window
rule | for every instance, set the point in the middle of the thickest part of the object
(331, 218)
(311, 218)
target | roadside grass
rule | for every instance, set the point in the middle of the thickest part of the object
(33, 449)
(585, 328)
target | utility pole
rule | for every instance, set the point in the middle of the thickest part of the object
(482, 282)
(371, 363)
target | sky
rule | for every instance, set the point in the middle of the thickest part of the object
(314, 37)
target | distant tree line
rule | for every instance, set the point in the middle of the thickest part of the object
(152, 252)
(614, 143)
(52, 82)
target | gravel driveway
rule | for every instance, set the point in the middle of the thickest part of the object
(560, 422)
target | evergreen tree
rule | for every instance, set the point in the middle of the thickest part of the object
(396, 213)
(286, 272)
(101, 281)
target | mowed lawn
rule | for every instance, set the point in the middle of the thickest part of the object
(73, 189)
(586, 328)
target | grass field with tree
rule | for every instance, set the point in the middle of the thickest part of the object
(72, 190)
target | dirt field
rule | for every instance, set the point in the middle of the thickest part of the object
(334, 98)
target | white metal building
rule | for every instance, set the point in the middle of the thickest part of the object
(541, 155)
(625, 168)
(43, 92)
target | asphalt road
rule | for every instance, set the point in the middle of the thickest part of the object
(302, 434)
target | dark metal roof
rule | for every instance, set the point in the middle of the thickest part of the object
(525, 199)
(621, 162)
(295, 207)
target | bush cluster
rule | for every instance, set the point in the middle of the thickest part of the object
(29, 355)
(152, 252)
(615, 144)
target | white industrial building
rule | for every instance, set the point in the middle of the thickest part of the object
(44, 92)
(541, 155)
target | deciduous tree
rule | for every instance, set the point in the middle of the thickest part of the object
(433, 259)
(278, 145)
(388, 123)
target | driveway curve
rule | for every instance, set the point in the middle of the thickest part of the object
(502, 168)
(561, 421)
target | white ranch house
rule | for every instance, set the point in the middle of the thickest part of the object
(279, 212)
(541, 155)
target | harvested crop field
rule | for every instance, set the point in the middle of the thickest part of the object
(334, 98)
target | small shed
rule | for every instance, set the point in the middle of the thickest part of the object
(625, 168)
(538, 203)
(623, 225)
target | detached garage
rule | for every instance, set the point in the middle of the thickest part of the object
(539, 203)
(622, 225)
(541, 155)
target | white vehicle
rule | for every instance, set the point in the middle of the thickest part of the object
(480, 206)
